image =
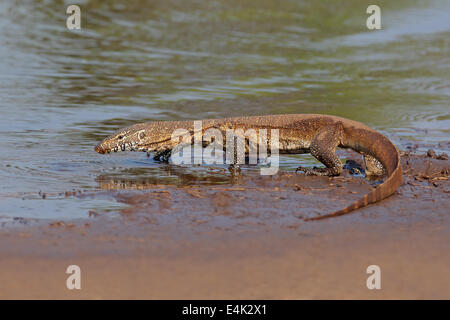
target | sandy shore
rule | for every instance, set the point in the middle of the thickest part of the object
(245, 239)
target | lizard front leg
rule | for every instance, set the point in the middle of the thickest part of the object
(323, 148)
(163, 155)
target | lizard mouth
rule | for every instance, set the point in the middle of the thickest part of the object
(102, 148)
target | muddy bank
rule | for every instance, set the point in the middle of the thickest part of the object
(228, 201)
(245, 238)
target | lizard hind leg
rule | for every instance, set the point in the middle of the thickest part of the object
(323, 147)
(373, 166)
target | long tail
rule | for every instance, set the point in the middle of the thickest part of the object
(380, 147)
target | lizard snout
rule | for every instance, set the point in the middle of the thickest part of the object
(100, 149)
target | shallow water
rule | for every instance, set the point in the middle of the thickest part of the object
(62, 91)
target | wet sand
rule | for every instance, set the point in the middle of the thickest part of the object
(246, 239)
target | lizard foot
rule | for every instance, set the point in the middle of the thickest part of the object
(318, 171)
(234, 169)
(163, 155)
(354, 168)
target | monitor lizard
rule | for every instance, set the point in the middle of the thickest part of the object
(317, 134)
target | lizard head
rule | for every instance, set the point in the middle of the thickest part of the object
(134, 138)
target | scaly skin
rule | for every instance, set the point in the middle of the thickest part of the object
(317, 134)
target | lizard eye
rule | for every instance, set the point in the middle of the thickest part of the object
(120, 137)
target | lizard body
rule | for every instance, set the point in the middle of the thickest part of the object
(317, 134)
